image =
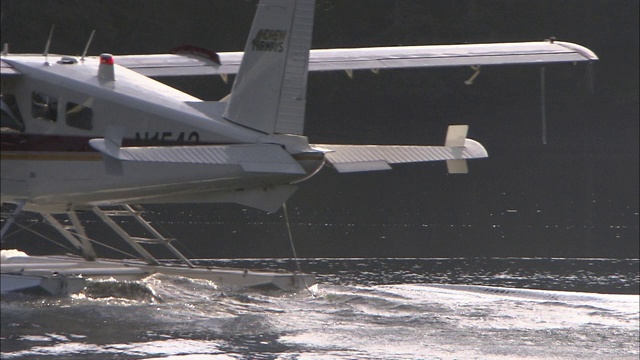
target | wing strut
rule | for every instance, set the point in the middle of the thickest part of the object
(61, 275)
(135, 242)
(75, 233)
(11, 218)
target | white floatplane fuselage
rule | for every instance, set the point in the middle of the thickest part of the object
(53, 165)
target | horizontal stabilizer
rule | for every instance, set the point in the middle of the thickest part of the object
(359, 166)
(536, 52)
(251, 157)
(356, 158)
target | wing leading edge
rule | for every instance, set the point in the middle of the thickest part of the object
(159, 65)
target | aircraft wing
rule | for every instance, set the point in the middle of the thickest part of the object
(160, 65)
(6, 69)
(356, 158)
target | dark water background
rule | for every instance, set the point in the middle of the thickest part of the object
(465, 308)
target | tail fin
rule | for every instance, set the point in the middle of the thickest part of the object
(269, 92)
(456, 138)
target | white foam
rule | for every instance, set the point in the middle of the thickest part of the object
(9, 253)
(496, 307)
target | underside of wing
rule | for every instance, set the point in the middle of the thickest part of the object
(160, 65)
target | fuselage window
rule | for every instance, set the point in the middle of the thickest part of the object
(79, 116)
(11, 119)
(43, 106)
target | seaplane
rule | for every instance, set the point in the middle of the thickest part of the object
(102, 134)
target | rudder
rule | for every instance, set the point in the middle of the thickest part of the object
(269, 92)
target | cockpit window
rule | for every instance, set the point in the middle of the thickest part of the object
(44, 107)
(10, 114)
(79, 116)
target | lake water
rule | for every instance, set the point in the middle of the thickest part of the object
(487, 308)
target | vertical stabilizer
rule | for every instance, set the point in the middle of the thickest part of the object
(456, 138)
(269, 92)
